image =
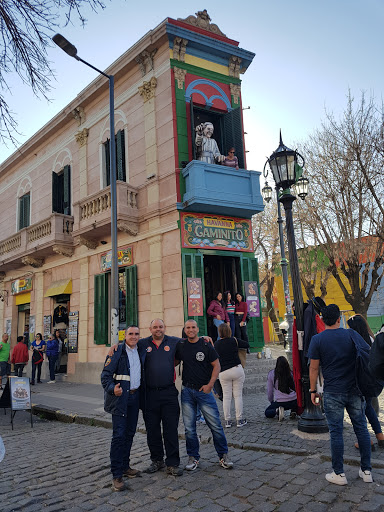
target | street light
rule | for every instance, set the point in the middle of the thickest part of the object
(287, 172)
(71, 50)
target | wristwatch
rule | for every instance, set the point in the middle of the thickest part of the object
(312, 391)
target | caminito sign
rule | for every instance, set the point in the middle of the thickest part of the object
(199, 230)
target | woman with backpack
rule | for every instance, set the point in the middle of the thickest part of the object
(360, 325)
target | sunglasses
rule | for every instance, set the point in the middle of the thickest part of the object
(231, 152)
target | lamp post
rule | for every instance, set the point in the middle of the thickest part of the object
(71, 50)
(267, 196)
(285, 170)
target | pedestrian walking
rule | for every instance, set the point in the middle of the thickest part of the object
(38, 348)
(334, 349)
(201, 368)
(121, 379)
(52, 354)
(19, 356)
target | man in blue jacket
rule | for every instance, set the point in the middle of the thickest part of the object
(121, 379)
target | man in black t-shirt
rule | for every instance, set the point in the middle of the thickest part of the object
(201, 368)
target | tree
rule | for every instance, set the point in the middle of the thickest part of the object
(266, 244)
(344, 212)
(26, 27)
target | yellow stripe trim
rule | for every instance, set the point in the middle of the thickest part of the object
(23, 298)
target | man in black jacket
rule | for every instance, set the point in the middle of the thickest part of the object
(121, 378)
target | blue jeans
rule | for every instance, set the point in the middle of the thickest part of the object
(52, 362)
(372, 416)
(124, 428)
(334, 405)
(271, 410)
(216, 323)
(190, 400)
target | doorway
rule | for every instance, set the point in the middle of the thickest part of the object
(221, 273)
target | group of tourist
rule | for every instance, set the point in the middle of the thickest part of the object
(19, 356)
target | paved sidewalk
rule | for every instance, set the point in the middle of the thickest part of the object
(84, 403)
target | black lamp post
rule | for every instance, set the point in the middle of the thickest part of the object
(285, 169)
(71, 50)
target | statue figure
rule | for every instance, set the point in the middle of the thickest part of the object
(207, 149)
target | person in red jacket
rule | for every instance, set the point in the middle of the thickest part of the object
(19, 357)
(217, 311)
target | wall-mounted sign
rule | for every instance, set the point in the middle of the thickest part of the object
(124, 258)
(8, 327)
(195, 296)
(47, 325)
(199, 230)
(21, 285)
(252, 297)
(72, 333)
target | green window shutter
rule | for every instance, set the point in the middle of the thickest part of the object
(132, 316)
(193, 266)
(250, 272)
(67, 190)
(107, 163)
(24, 211)
(55, 193)
(233, 134)
(120, 156)
(101, 309)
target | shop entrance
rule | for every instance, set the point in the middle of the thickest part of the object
(221, 273)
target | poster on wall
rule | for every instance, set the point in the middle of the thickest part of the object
(200, 230)
(124, 258)
(73, 331)
(252, 298)
(32, 327)
(195, 296)
(8, 327)
(21, 285)
(47, 323)
(20, 393)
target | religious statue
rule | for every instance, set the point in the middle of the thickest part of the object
(207, 149)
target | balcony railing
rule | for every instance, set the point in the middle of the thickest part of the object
(38, 239)
(211, 188)
(94, 212)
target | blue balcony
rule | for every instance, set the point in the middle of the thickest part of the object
(221, 190)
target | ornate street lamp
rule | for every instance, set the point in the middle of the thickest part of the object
(71, 50)
(286, 165)
(266, 192)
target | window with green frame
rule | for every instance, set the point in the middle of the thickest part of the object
(102, 304)
(61, 191)
(24, 210)
(120, 158)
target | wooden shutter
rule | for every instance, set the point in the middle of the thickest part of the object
(107, 163)
(250, 272)
(120, 155)
(193, 133)
(132, 316)
(193, 266)
(24, 211)
(55, 193)
(67, 191)
(101, 309)
(233, 134)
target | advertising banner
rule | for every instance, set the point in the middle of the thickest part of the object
(20, 393)
(124, 258)
(200, 230)
(195, 297)
(252, 298)
(72, 333)
(21, 285)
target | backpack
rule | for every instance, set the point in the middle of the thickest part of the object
(366, 382)
(376, 357)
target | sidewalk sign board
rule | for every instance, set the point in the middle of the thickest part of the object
(20, 396)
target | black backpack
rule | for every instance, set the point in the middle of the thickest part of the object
(376, 357)
(367, 384)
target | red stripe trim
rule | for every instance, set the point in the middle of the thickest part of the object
(203, 32)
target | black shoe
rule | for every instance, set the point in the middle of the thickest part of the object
(32, 382)
(174, 471)
(39, 382)
(155, 466)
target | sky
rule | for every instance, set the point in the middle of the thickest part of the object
(308, 54)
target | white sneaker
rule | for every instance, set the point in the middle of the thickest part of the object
(366, 476)
(51, 382)
(336, 479)
(228, 423)
(192, 464)
(281, 413)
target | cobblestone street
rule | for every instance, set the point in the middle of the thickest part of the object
(58, 466)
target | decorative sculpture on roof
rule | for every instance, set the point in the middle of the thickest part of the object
(202, 20)
(207, 149)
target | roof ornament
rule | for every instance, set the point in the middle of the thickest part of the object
(202, 20)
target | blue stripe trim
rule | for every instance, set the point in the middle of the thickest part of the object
(209, 101)
(208, 48)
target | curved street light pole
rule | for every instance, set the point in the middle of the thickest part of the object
(71, 50)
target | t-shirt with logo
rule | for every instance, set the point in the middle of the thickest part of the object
(159, 366)
(197, 358)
